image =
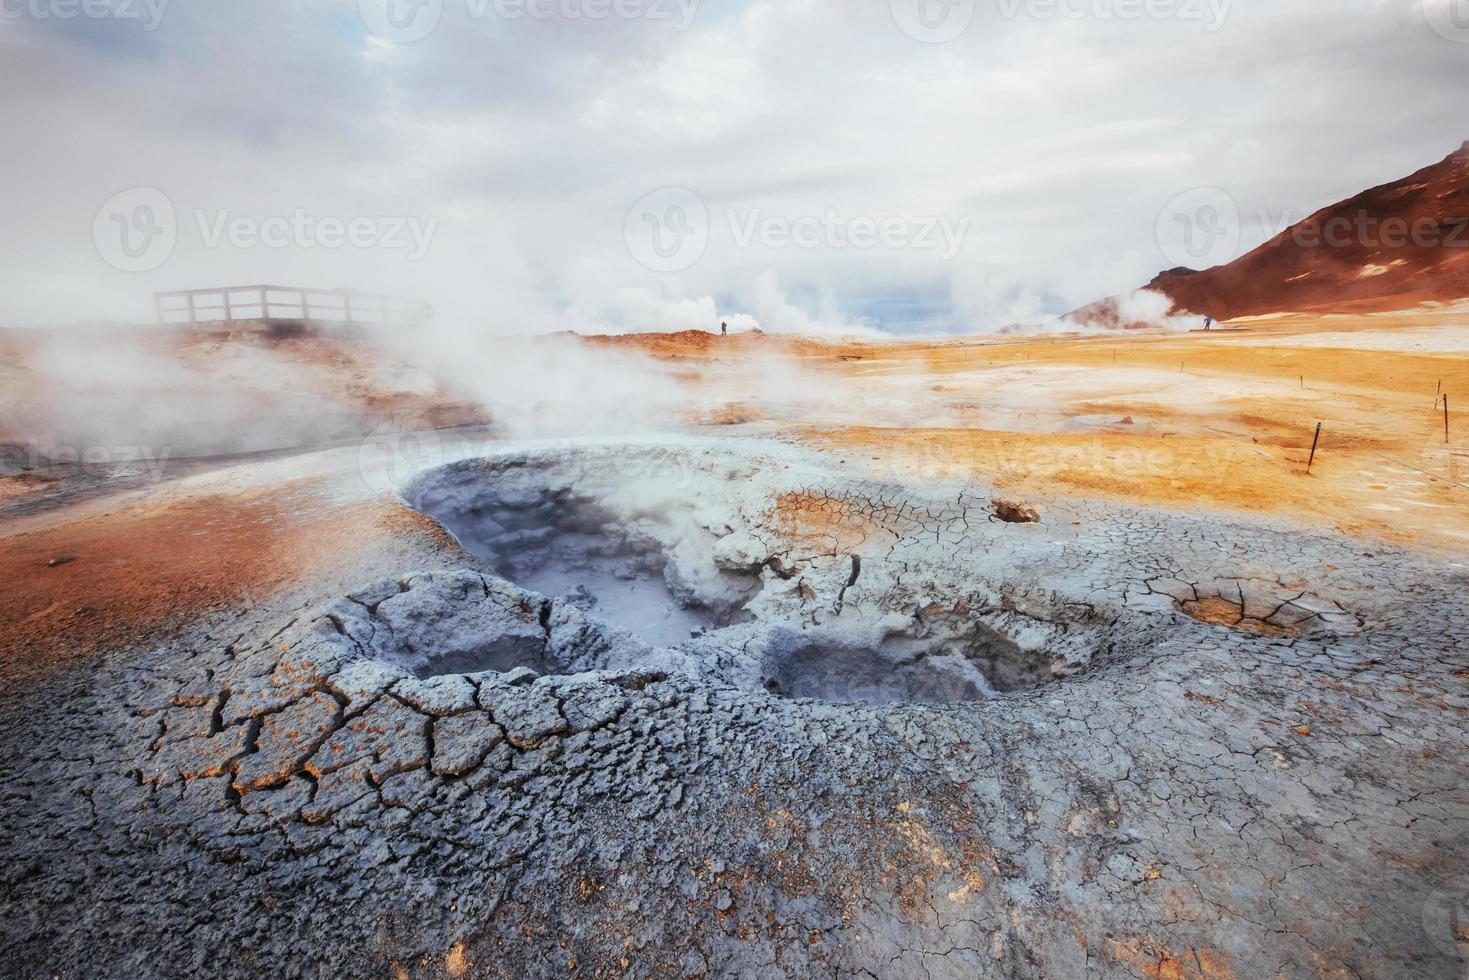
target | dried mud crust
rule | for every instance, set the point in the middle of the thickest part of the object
(447, 774)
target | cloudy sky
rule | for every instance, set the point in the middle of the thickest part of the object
(527, 165)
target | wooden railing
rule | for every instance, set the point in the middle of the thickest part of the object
(277, 305)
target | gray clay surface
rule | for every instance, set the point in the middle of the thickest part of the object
(896, 737)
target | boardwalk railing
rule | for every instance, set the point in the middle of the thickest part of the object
(287, 305)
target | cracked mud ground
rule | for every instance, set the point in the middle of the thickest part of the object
(910, 740)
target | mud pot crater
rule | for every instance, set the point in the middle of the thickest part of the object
(690, 553)
(630, 554)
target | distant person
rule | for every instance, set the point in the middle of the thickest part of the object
(1208, 323)
(724, 330)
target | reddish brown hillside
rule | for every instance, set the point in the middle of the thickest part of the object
(1389, 248)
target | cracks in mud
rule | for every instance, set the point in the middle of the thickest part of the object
(630, 767)
(1264, 607)
(851, 581)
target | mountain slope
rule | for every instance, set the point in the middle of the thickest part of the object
(1389, 248)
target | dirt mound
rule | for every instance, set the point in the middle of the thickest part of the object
(678, 341)
(1012, 512)
(1392, 247)
(679, 344)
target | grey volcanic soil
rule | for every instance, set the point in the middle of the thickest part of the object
(918, 742)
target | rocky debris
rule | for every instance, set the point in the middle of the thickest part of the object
(1013, 512)
(283, 786)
